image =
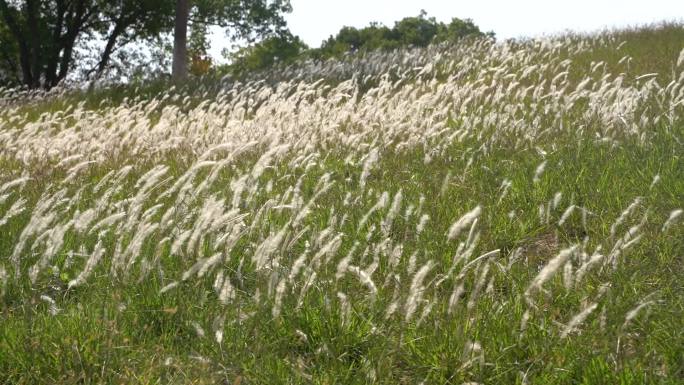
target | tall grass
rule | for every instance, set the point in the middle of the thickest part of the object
(486, 212)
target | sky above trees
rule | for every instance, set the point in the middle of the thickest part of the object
(315, 20)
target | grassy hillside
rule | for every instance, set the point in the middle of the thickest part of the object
(481, 213)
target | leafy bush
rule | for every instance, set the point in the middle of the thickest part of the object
(283, 48)
(418, 31)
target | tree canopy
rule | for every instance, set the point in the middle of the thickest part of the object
(42, 42)
(282, 48)
(417, 31)
(40, 39)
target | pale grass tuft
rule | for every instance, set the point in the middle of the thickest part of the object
(381, 203)
(416, 290)
(422, 223)
(623, 216)
(90, 265)
(364, 278)
(550, 268)
(680, 59)
(632, 314)
(53, 309)
(17, 208)
(368, 164)
(578, 319)
(674, 215)
(463, 222)
(538, 172)
(473, 355)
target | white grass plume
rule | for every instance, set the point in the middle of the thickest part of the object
(422, 222)
(656, 179)
(578, 319)
(550, 269)
(53, 309)
(386, 225)
(3, 280)
(364, 278)
(566, 215)
(472, 301)
(623, 216)
(381, 203)
(368, 164)
(416, 290)
(14, 183)
(278, 300)
(463, 222)
(595, 258)
(674, 215)
(90, 265)
(344, 262)
(168, 287)
(17, 208)
(538, 172)
(632, 314)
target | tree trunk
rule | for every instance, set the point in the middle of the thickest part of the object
(34, 40)
(51, 69)
(24, 52)
(180, 41)
(109, 48)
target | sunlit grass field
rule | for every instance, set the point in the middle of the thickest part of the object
(493, 213)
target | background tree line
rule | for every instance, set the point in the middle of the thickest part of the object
(44, 42)
(417, 31)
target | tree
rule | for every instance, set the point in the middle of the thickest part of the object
(418, 31)
(350, 39)
(458, 29)
(42, 35)
(8, 49)
(244, 19)
(198, 50)
(281, 48)
(40, 39)
(180, 37)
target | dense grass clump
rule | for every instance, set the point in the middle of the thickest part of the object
(478, 213)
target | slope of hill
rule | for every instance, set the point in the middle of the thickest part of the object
(476, 213)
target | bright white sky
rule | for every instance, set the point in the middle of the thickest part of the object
(315, 20)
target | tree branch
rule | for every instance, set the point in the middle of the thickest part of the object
(24, 53)
(35, 49)
(73, 29)
(51, 70)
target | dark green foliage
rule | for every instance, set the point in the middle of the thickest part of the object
(8, 49)
(418, 31)
(40, 39)
(283, 48)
